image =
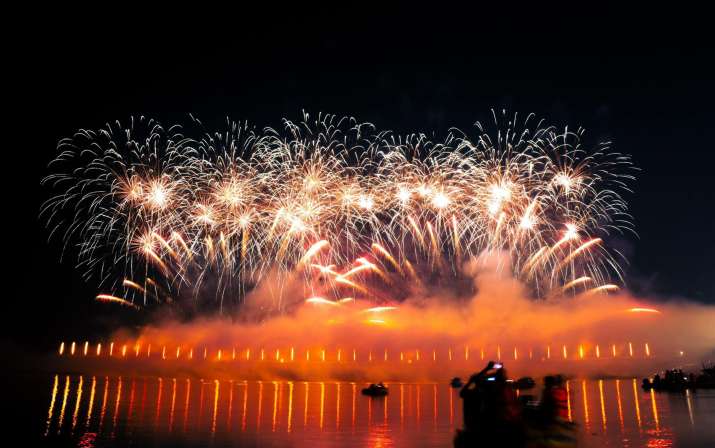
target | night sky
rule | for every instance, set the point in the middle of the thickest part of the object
(643, 81)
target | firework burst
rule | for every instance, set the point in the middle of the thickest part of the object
(152, 211)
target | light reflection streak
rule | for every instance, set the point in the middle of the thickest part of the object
(655, 410)
(434, 406)
(337, 406)
(451, 406)
(635, 400)
(230, 404)
(402, 406)
(315, 413)
(64, 403)
(603, 405)
(158, 402)
(289, 425)
(260, 405)
(186, 403)
(245, 406)
(688, 401)
(354, 387)
(275, 406)
(52, 399)
(173, 403)
(322, 404)
(418, 414)
(585, 405)
(116, 404)
(104, 402)
(568, 399)
(305, 406)
(620, 408)
(215, 408)
(201, 399)
(91, 401)
(77, 402)
(131, 401)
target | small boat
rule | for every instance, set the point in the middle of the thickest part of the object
(456, 382)
(375, 390)
(526, 382)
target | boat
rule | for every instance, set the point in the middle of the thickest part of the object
(375, 390)
(526, 382)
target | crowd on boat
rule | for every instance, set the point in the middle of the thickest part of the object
(499, 411)
(675, 380)
(496, 415)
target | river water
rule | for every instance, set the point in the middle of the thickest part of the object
(110, 411)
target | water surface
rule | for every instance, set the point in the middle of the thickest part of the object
(87, 411)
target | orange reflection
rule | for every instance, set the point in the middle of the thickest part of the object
(260, 404)
(275, 406)
(451, 406)
(116, 404)
(131, 401)
(215, 410)
(603, 405)
(434, 405)
(64, 403)
(417, 403)
(635, 400)
(655, 410)
(245, 406)
(91, 402)
(77, 401)
(305, 405)
(620, 407)
(402, 404)
(322, 404)
(688, 401)
(230, 404)
(585, 404)
(187, 400)
(354, 405)
(158, 402)
(289, 425)
(173, 403)
(568, 400)
(52, 399)
(104, 402)
(337, 405)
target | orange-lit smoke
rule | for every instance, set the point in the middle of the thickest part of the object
(615, 334)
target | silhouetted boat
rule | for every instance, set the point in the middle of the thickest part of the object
(526, 382)
(375, 390)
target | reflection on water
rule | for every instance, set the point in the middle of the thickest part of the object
(113, 411)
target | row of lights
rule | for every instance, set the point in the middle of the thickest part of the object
(581, 353)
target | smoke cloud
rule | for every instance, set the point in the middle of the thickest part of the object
(442, 332)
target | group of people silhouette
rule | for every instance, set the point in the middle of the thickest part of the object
(493, 412)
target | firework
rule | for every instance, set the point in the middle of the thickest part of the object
(154, 211)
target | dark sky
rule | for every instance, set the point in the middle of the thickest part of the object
(645, 81)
